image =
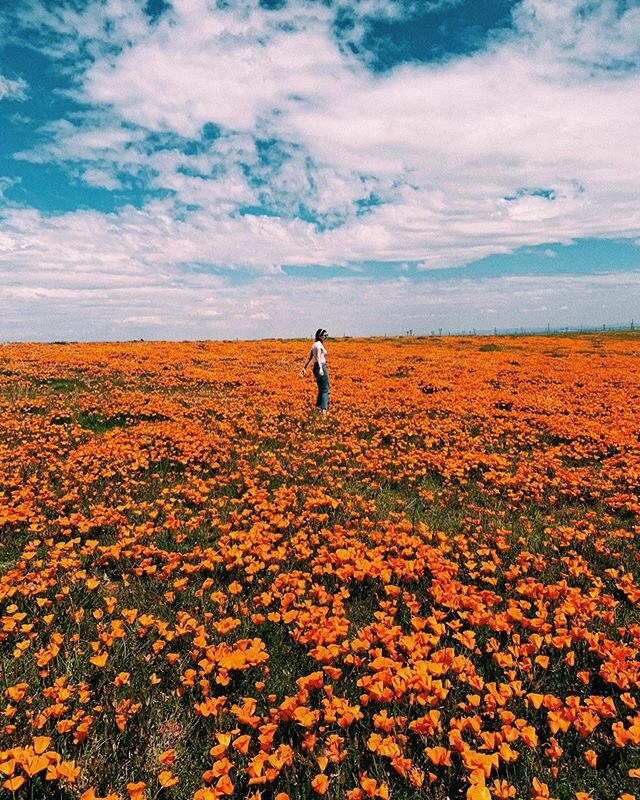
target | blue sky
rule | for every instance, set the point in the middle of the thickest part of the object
(191, 169)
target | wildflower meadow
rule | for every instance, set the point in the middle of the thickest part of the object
(207, 590)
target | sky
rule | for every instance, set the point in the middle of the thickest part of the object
(204, 169)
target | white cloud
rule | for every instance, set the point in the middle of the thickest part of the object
(234, 67)
(12, 89)
(440, 146)
(100, 178)
(278, 305)
(148, 320)
(532, 141)
(592, 36)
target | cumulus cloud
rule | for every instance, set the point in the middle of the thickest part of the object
(572, 32)
(12, 89)
(454, 139)
(272, 144)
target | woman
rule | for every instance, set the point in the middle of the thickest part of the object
(318, 355)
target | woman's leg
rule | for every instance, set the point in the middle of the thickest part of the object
(319, 379)
(324, 393)
(322, 400)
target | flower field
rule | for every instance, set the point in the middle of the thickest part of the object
(209, 591)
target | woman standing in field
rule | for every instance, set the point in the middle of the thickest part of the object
(318, 355)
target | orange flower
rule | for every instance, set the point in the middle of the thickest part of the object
(167, 757)
(136, 791)
(502, 790)
(166, 779)
(41, 743)
(225, 786)
(478, 789)
(17, 692)
(8, 767)
(529, 736)
(65, 771)
(439, 756)
(121, 481)
(121, 679)
(241, 744)
(34, 764)
(13, 784)
(539, 790)
(313, 681)
(320, 783)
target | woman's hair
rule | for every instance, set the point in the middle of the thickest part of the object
(320, 332)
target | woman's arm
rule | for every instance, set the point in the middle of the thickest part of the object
(304, 369)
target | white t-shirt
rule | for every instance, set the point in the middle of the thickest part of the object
(319, 353)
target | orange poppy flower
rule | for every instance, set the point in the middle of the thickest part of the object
(320, 783)
(166, 779)
(136, 791)
(439, 756)
(13, 784)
